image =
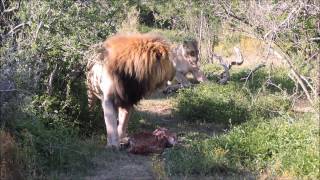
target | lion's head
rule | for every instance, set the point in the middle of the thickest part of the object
(138, 64)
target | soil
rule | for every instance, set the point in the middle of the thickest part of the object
(123, 165)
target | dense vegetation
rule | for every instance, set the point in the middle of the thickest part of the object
(45, 127)
(270, 139)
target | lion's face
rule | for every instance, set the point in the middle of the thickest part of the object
(191, 53)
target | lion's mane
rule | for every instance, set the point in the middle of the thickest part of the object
(138, 65)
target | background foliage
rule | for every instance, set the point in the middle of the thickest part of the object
(43, 111)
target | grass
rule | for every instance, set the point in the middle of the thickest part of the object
(264, 136)
(258, 80)
(212, 103)
(229, 103)
(277, 146)
(42, 152)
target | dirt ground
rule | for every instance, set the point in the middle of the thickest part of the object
(122, 165)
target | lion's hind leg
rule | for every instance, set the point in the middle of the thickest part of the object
(92, 99)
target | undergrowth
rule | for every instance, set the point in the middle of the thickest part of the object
(212, 102)
(264, 136)
(43, 150)
(278, 146)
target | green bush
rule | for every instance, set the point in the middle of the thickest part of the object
(213, 103)
(212, 71)
(278, 146)
(44, 150)
(278, 77)
(229, 103)
(270, 105)
(54, 39)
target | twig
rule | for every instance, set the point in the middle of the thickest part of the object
(225, 75)
(8, 90)
(296, 84)
(233, 15)
(269, 82)
(285, 22)
(295, 73)
(50, 82)
(309, 85)
(37, 31)
(13, 30)
(315, 39)
(200, 34)
(10, 10)
(13, 90)
(252, 72)
(2, 5)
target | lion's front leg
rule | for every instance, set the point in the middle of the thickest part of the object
(110, 118)
(124, 114)
(181, 78)
(199, 76)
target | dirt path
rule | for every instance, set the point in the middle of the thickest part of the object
(124, 166)
(121, 165)
(155, 112)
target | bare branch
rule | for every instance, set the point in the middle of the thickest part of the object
(269, 82)
(14, 90)
(225, 75)
(309, 85)
(233, 15)
(13, 30)
(305, 90)
(37, 31)
(295, 73)
(50, 82)
(315, 39)
(8, 90)
(252, 72)
(239, 59)
(284, 23)
(10, 10)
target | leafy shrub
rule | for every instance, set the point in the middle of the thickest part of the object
(223, 104)
(277, 146)
(51, 47)
(10, 169)
(43, 150)
(213, 103)
(278, 77)
(270, 105)
(212, 71)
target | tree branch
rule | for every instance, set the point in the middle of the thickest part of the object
(50, 81)
(252, 72)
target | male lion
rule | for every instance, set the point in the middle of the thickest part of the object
(128, 68)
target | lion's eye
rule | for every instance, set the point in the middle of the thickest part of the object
(192, 53)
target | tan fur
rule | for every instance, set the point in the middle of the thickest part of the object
(185, 59)
(137, 55)
(128, 68)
